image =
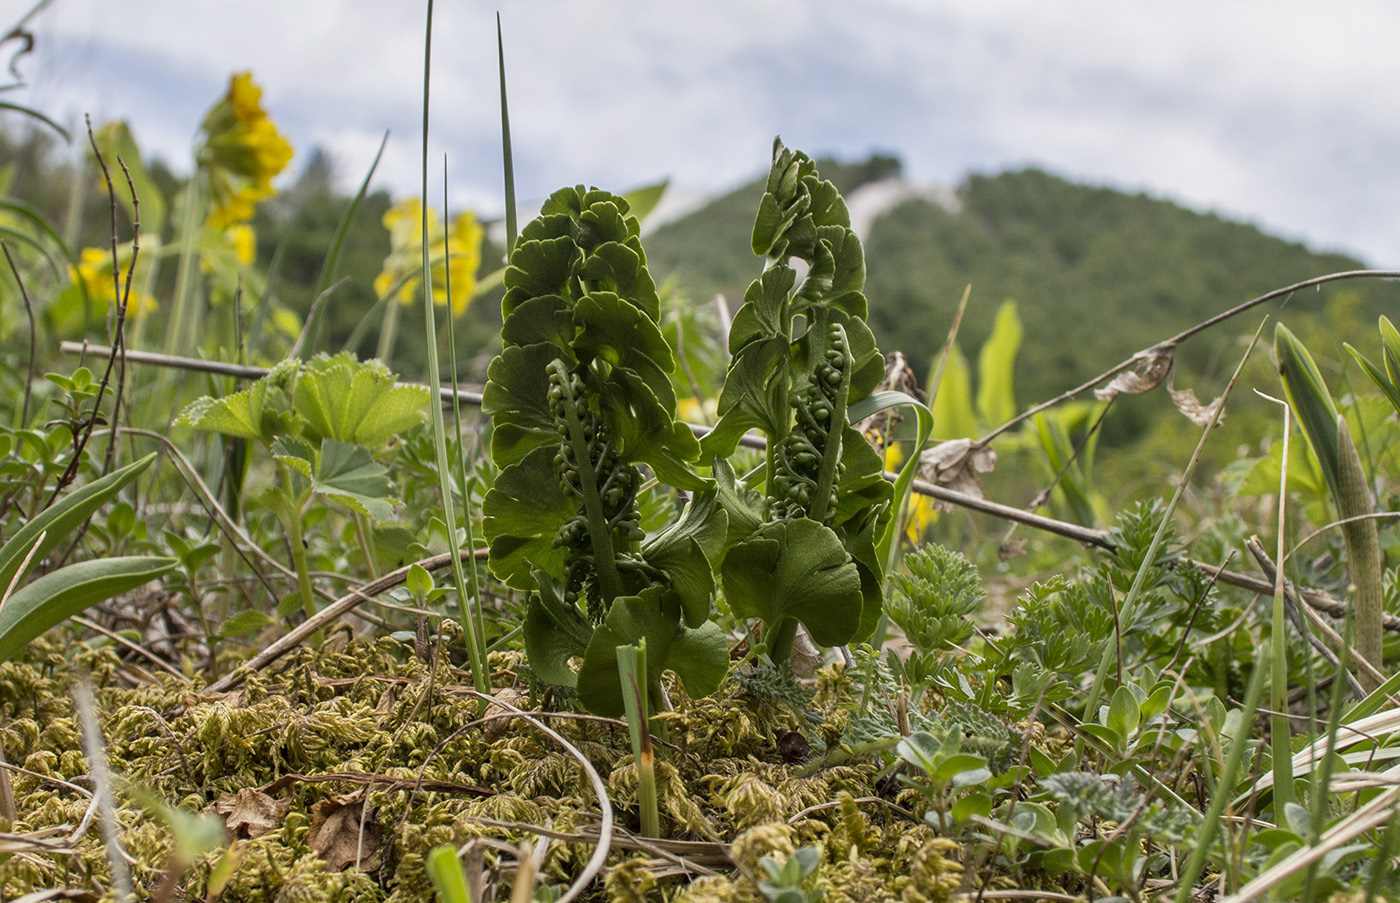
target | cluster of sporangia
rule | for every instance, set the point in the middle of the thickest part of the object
(800, 456)
(614, 482)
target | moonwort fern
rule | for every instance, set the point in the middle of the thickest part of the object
(804, 364)
(581, 401)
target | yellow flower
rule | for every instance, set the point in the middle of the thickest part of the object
(94, 273)
(241, 152)
(236, 244)
(920, 513)
(457, 254)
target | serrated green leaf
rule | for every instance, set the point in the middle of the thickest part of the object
(350, 475)
(55, 597)
(263, 411)
(356, 401)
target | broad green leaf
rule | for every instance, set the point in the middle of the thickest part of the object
(1390, 347)
(1311, 402)
(356, 401)
(1123, 713)
(555, 631)
(699, 658)
(114, 140)
(953, 413)
(796, 569)
(612, 330)
(870, 406)
(688, 551)
(546, 318)
(764, 313)
(996, 368)
(448, 877)
(521, 513)
(620, 268)
(350, 475)
(55, 597)
(245, 622)
(745, 509)
(755, 396)
(648, 433)
(58, 522)
(539, 267)
(1379, 377)
(517, 399)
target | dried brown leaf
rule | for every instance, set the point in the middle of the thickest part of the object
(250, 813)
(496, 728)
(955, 464)
(344, 834)
(1151, 368)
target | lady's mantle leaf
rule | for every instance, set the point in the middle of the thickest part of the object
(347, 474)
(353, 401)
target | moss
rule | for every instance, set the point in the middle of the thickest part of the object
(367, 707)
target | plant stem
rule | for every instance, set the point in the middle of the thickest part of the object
(835, 425)
(632, 669)
(779, 639)
(1363, 550)
(365, 538)
(599, 533)
(290, 515)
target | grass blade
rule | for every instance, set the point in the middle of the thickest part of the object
(506, 156)
(481, 677)
(312, 328)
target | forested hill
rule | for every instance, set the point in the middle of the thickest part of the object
(1097, 273)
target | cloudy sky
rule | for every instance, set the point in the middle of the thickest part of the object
(1281, 112)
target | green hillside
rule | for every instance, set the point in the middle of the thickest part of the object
(1097, 273)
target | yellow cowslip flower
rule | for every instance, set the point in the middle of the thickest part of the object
(241, 152)
(402, 272)
(236, 244)
(921, 512)
(94, 272)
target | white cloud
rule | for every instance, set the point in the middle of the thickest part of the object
(1279, 111)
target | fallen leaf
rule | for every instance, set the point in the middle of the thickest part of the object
(497, 728)
(250, 813)
(344, 834)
